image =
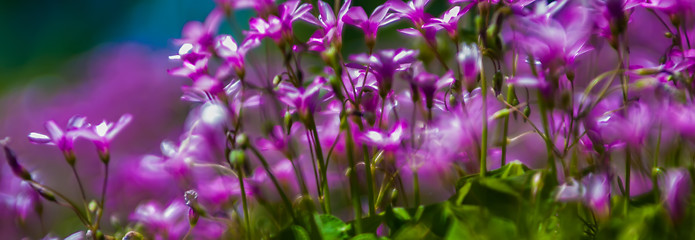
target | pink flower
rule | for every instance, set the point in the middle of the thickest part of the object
(389, 141)
(356, 16)
(56, 136)
(103, 134)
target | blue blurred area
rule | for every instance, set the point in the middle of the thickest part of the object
(37, 38)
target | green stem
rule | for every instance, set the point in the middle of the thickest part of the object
(416, 188)
(483, 143)
(354, 191)
(266, 167)
(546, 132)
(655, 166)
(103, 192)
(244, 203)
(505, 128)
(322, 165)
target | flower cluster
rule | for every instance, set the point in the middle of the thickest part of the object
(528, 118)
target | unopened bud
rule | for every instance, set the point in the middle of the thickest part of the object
(527, 111)
(45, 193)
(497, 80)
(500, 114)
(647, 71)
(93, 206)
(394, 196)
(242, 141)
(132, 235)
(668, 34)
(237, 157)
(193, 217)
(276, 80)
(17, 169)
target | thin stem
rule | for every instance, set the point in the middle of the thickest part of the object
(546, 131)
(247, 217)
(505, 128)
(266, 167)
(416, 188)
(103, 193)
(655, 166)
(354, 191)
(322, 166)
(79, 183)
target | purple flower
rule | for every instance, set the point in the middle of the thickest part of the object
(163, 222)
(388, 141)
(192, 68)
(221, 189)
(671, 6)
(385, 63)
(279, 28)
(356, 16)
(331, 27)
(555, 42)
(594, 191)
(263, 7)
(56, 136)
(201, 36)
(413, 10)
(449, 20)
(675, 191)
(303, 100)
(103, 134)
(429, 83)
(261, 28)
(233, 54)
(470, 61)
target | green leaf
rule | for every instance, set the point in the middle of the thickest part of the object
(365, 236)
(294, 232)
(332, 227)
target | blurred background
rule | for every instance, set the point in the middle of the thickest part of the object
(100, 59)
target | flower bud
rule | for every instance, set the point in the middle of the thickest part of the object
(242, 141)
(17, 169)
(133, 235)
(497, 80)
(44, 192)
(237, 158)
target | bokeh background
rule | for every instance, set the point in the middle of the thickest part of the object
(100, 59)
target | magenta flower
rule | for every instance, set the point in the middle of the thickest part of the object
(201, 36)
(413, 10)
(675, 191)
(163, 222)
(356, 16)
(555, 41)
(331, 27)
(103, 134)
(670, 6)
(429, 83)
(260, 28)
(594, 190)
(388, 141)
(263, 7)
(449, 20)
(193, 69)
(233, 54)
(470, 61)
(56, 136)
(221, 190)
(385, 63)
(303, 100)
(279, 28)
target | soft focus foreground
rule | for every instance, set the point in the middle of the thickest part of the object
(491, 119)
